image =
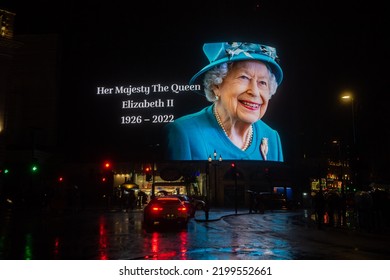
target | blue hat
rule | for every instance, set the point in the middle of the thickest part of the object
(218, 53)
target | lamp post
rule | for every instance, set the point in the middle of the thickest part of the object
(215, 162)
(207, 196)
(342, 179)
(234, 169)
(348, 97)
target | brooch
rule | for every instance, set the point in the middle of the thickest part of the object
(264, 148)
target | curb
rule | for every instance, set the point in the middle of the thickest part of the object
(219, 218)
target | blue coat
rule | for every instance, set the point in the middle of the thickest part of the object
(196, 136)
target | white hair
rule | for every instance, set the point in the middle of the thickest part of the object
(215, 76)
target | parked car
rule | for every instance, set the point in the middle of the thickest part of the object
(266, 201)
(193, 204)
(166, 210)
(199, 203)
(272, 201)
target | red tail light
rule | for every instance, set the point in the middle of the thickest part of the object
(182, 208)
(157, 208)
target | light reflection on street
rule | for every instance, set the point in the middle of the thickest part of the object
(117, 235)
(183, 237)
(103, 238)
(56, 250)
(166, 244)
(155, 243)
(28, 247)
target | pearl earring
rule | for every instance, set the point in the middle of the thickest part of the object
(216, 98)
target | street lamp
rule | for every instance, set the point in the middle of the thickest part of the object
(348, 97)
(215, 157)
(341, 177)
(215, 162)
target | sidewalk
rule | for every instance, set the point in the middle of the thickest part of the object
(303, 218)
(216, 214)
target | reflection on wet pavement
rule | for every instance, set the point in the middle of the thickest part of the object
(105, 235)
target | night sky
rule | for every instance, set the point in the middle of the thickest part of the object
(325, 48)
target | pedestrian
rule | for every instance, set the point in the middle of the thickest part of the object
(333, 207)
(207, 209)
(239, 81)
(319, 206)
(144, 198)
(252, 202)
(132, 200)
(260, 203)
(364, 204)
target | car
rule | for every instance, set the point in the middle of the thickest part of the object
(272, 201)
(260, 201)
(166, 210)
(199, 203)
(193, 204)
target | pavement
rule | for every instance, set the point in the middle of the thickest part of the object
(304, 217)
(216, 214)
(78, 236)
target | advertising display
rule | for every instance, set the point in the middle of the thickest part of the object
(165, 110)
(194, 139)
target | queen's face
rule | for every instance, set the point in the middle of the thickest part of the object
(245, 91)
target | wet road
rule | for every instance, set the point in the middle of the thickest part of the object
(95, 235)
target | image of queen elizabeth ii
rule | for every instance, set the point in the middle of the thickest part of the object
(239, 81)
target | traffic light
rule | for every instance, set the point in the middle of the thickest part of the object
(107, 165)
(148, 174)
(4, 171)
(34, 168)
(233, 170)
(107, 174)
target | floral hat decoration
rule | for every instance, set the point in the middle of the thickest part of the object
(218, 53)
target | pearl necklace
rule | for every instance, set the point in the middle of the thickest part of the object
(248, 138)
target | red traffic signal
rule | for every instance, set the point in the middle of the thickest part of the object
(148, 173)
(107, 165)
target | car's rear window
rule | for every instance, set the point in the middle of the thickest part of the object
(167, 201)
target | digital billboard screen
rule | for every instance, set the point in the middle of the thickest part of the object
(186, 113)
(130, 71)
